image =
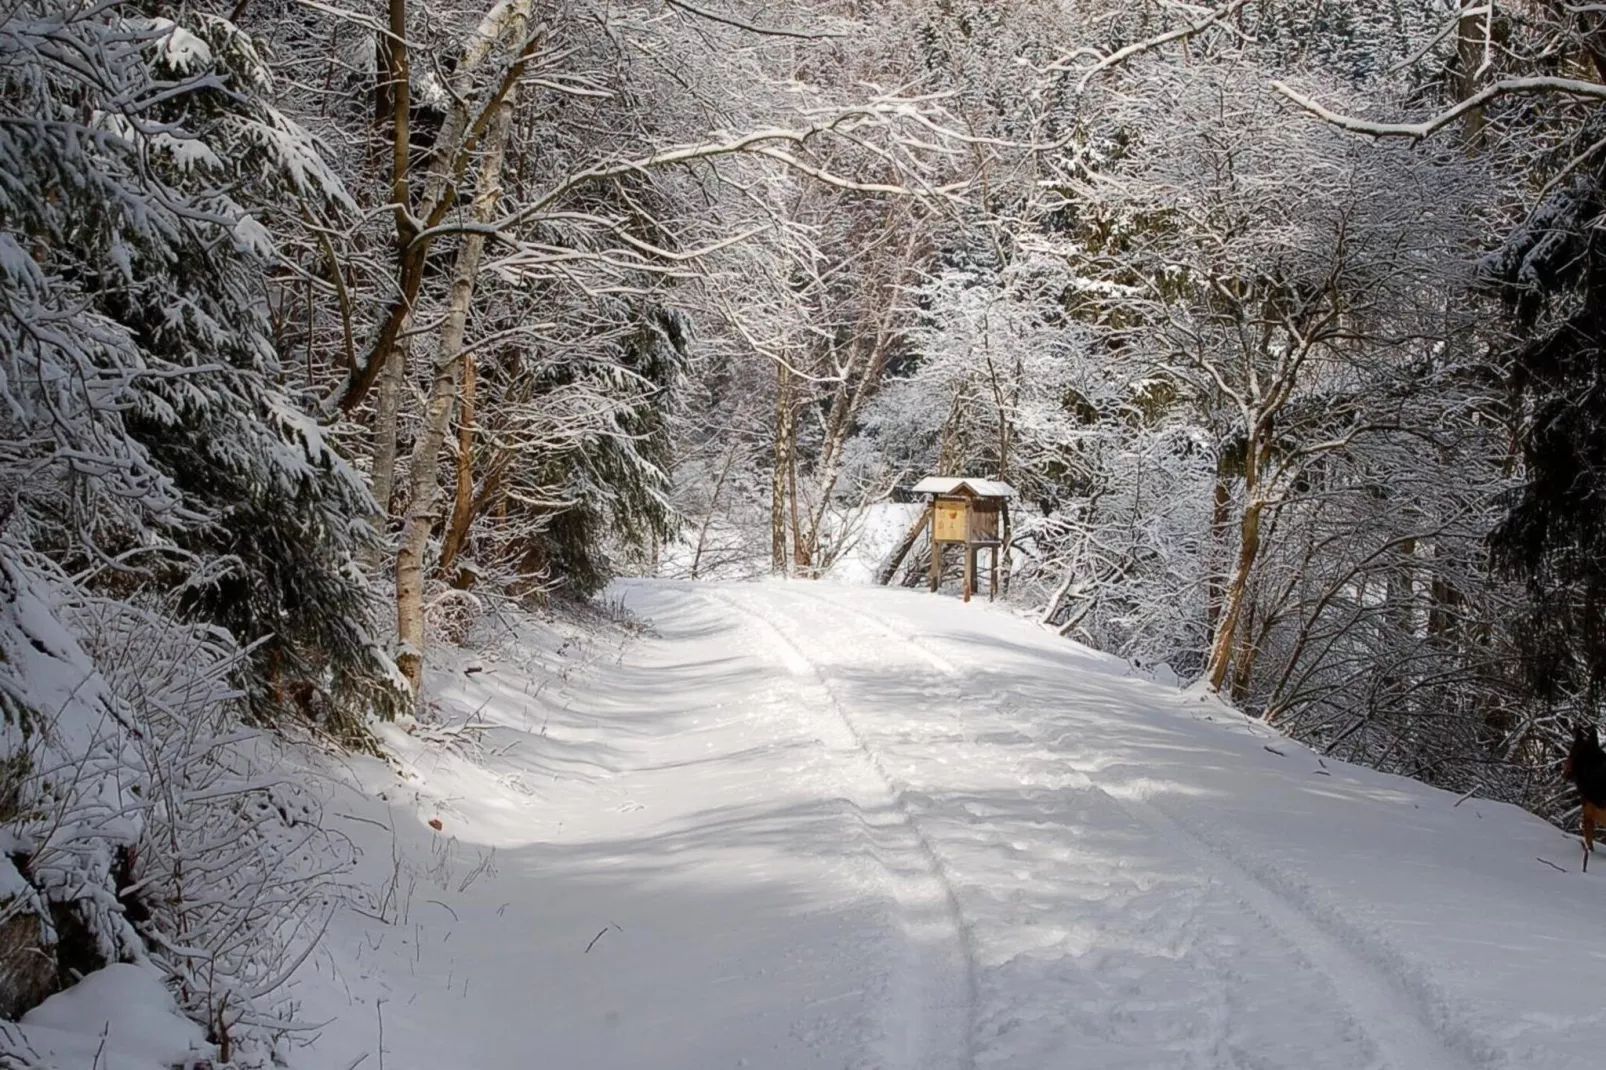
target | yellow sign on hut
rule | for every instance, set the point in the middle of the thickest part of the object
(951, 521)
(972, 513)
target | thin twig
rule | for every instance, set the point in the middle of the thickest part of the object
(767, 31)
(101, 1049)
(597, 937)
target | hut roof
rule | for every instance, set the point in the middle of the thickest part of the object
(982, 488)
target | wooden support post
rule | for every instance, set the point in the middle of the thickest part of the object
(1004, 535)
(992, 576)
(910, 537)
(936, 565)
(970, 570)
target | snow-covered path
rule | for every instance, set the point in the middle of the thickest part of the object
(803, 825)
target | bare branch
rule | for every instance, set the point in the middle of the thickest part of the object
(1428, 127)
(767, 31)
(1148, 44)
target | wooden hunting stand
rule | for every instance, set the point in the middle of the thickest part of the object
(972, 513)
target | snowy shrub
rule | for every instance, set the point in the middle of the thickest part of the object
(149, 822)
(1119, 559)
(233, 878)
(75, 808)
(450, 614)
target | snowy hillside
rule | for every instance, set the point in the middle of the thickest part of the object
(803, 825)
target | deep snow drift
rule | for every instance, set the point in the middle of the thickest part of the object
(803, 825)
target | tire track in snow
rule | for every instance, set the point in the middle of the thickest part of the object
(1381, 1002)
(886, 627)
(1403, 1037)
(1385, 1006)
(930, 1035)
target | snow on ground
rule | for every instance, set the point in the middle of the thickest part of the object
(118, 1018)
(806, 825)
(871, 535)
(855, 541)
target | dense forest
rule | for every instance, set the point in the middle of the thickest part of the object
(324, 326)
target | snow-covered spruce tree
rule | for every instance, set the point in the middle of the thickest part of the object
(580, 449)
(1551, 271)
(166, 503)
(153, 447)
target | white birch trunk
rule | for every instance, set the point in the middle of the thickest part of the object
(424, 477)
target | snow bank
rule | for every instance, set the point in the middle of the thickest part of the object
(118, 1018)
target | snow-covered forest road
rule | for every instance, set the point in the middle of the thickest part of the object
(805, 825)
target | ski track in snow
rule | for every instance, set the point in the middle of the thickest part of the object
(932, 1010)
(886, 629)
(1391, 1004)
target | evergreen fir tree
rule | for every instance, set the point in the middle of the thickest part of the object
(151, 445)
(1552, 273)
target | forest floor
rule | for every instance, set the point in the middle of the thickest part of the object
(809, 825)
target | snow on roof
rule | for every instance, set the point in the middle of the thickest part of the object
(985, 488)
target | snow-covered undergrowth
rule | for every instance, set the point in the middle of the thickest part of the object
(117, 1018)
(146, 824)
(179, 538)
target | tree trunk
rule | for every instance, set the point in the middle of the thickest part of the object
(800, 558)
(459, 137)
(846, 403)
(844, 415)
(425, 475)
(419, 518)
(713, 507)
(782, 461)
(1444, 611)
(1228, 631)
(1003, 405)
(907, 543)
(1220, 523)
(394, 103)
(390, 392)
(1402, 589)
(1469, 43)
(463, 499)
(1006, 537)
(1051, 608)
(1243, 664)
